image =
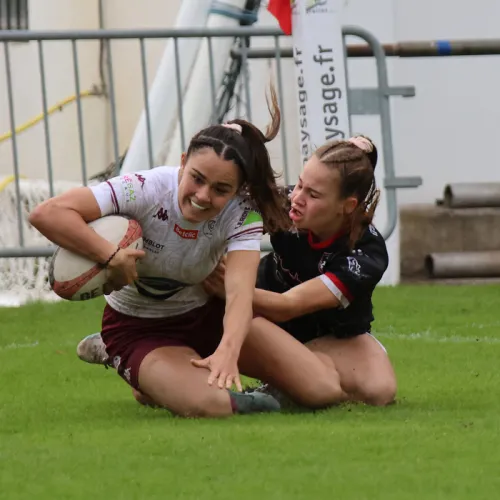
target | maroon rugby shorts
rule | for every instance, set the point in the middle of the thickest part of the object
(129, 339)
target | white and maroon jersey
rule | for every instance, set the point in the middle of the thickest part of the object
(179, 254)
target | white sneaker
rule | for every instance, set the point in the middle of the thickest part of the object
(92, 350)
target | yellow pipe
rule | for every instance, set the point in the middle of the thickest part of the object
(5, 182)
(57, 107)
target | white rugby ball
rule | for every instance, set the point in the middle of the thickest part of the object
(74, 277)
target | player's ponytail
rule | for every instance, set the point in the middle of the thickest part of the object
(261, 178)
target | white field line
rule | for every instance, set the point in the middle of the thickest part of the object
(36, 343)
(425, 335)
(430, 336)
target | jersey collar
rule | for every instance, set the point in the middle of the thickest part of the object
(320, 245)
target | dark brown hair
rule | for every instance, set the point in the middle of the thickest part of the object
(249, 152)
(356, 167)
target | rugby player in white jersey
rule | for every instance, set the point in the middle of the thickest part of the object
(162, 332)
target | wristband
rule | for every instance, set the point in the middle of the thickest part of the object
(110, 258)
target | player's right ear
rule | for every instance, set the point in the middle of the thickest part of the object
(183, 160)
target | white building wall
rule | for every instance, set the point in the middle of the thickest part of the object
(51, 15)
(448, 132)
(75, 15)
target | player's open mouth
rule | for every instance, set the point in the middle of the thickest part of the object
(198, 207)
(294, 214)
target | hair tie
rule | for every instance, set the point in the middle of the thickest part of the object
(362, 143)
(367, 147)
(235, 126)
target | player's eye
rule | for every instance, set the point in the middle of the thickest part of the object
(197, 179)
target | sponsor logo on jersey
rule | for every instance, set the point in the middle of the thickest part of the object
(187, 234)
(162, 214)
(128, 188)
(322, 262)
(153, 246)
(208, 227)
(249, 216)
(141, 179)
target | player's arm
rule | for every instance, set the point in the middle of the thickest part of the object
(306, 298)
(345, 278)
(237, 274)
(239, 283)
(63, 220)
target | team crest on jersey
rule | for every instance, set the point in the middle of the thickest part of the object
(354, 266)
(187, 234)
(249, 216)
(208, 227)
(128, 188)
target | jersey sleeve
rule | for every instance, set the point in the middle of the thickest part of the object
(245, 228)
(131, 194)
(355, 275)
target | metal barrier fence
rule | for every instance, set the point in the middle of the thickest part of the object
(362, 101)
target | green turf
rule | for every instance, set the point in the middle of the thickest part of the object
(70, 430)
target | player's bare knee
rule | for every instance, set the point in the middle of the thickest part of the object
(321, 394)
(379, 393)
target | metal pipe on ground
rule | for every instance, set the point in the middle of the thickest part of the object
(463, 264)
(472, 195)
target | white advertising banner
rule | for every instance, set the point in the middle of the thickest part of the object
(320, 71)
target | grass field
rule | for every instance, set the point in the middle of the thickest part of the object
(72, 431)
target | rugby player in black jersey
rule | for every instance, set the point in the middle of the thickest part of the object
(310, 338)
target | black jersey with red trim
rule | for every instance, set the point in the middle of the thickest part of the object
(351, 275)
